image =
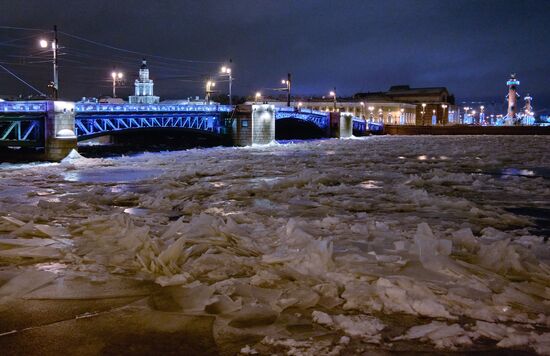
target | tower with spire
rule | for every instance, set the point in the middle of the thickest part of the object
(143, 87)
(512, 97)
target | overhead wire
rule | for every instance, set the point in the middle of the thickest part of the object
(72, 56)
(21, 80)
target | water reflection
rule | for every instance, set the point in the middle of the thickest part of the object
(111, 175)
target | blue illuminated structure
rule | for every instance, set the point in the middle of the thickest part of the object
(319, 118)
(119, 108)
(23, 106)
(22, 123)
(88, 126)
(93, 119)
(21, 130)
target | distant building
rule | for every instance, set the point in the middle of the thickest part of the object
(382, 112)
(438, 109)
(143, 88)
(110, 100)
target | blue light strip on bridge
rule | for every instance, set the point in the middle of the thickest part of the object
(23, 106)
(42, 106)
(93, 107)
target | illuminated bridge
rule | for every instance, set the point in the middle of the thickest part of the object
(92, 120)
(56, 126)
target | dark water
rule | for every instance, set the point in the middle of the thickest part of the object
(539, 216)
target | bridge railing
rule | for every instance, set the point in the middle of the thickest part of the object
(23, 106)
(97, 107)
(301, 110)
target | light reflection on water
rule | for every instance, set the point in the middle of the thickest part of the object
(111, 175)
(543, 172)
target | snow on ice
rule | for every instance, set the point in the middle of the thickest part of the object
(397, 243)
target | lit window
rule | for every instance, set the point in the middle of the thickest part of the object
(244, 123)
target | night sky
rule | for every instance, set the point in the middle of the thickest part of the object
(469, 46)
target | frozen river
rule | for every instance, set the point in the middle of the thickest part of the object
(333, 246)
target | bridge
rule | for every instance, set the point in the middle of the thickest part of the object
(92, 120)
(57, 126)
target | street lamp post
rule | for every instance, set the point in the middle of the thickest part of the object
(117, 78)
(209, 85)
(333, 94)
(423, 112)
(363, 110)
(55, 46)
(371, 115)
(444, 106)
(257, 97)
(287, 82)
(227, 71)
(402, 117)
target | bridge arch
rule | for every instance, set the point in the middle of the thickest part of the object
(320, 119)
(94, 125)
(296, 128)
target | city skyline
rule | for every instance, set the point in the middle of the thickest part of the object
(469, 47)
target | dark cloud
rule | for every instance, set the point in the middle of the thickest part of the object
(468, 45)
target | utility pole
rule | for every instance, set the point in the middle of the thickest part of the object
(55, 74)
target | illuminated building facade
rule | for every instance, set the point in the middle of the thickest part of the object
(434, 106)
(143, 88)
(379, 112)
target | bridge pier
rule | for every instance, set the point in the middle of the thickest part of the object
(253, 125)
(341, 125)
(59, 136)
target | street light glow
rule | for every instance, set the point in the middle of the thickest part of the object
(43, 43)
(332, 93)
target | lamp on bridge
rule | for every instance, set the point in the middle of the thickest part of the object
(257, 97)
(117, 79)
(300, 105)
(333, 94)
(54, 45)
(287, 89)
(227, 71)
(209, 85)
